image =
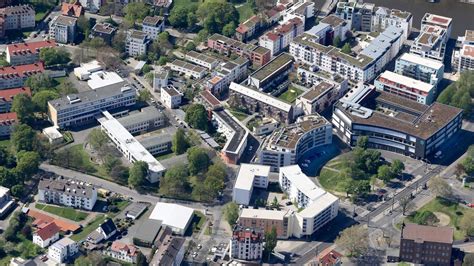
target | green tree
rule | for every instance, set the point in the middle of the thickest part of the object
(110, 162)
(179, 144)
(55, 56)
(216, 14)
(146, 68)
(467, 223)
(337, 42)
(175, 182)
(358, 188)
(137, 174)
(163, 60)
(468, 259)
(385, 173)
(6, 159)
(41, 99)
(39, 82)
(355, 240)
(231, 213)
(144, 96)
(118, 42)
(270, 241)
(363, 142)
(196, 117)
(440, 187)
(459, 93)
(23, 138)
(24, 108)
(229, 29)
(468, 165)
(164, 41)
(192, 19)
(425, 218)
(17, 190)
(346, 48)
(190, 46)
(275, 203)
(27, 163)
(66, 87)
(178, 17)
(8, 177)
(198, 160)
(397, 168)
(136, 11)
(98, 141)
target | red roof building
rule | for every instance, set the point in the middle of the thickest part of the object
(72, 10)
(6, 97)
(15, 76)
(26, 53)
(123, 252)
(329, 258)
(46, 235)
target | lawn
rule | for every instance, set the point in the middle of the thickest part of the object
(186, 3)
(4, 143)
(89, 228)
(239, 115)
(290, 95)
(452, 209)
(164, 156)
(330, 179)
(65, 212)
(199, 220)
(245, 11)
(41, 8)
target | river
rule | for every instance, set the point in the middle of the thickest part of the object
(462, 13)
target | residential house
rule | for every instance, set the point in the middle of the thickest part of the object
(63, 250)
(46, 235)
(153, 25)
(63, 29)
(67, 192)
(123, 252)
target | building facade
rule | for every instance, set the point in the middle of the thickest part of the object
(265, 220)
(249, 176)
(18, 17)
(136, 43)
(153, 25)
(204, 60)
(6, 97)
(280, 37)
(26, 53)
(463, 58)
(62, 250)
(170, 96)
(63, 29)
(385, 17)
(358, 14)
(46, 235)
(7, 123)
(246, 244)
(419, 68)
(188, 69)
(234, 70)
(105, 31)
(123, 252)
(256, 54)
(68, 193)
(14, 77)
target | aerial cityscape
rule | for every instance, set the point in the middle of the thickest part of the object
(237, 132)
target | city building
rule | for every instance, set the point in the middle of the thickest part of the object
(83, 107)
(170, 96)
(328, 257)
(358, 14)
(6, 202)
(7, 122)
(136, 43)
(265, 220)
(93, 6)
(2, 27)
(63, 29)
(169, 249)
(420, 68)
(256, 101)
(149, 118)
(463, 58)
(104, 79)
(68, 193)
(301, 9)
(105, 31)
(248, 29)
(72, 9)
(104, 231)
(204, 60)
(160, 79)
(15, 76)
(175, 216)
(26, 53)
(394, 123)
(249, 176)
(18, 261)
(153, 25)
(62, 250)
(246, 244)
(406, 87)
(231, 71)
(53, 135)
(157, 144)
(287, 144)
(385, 17)
(427, 245)
(256, 54)
(85, 71)
(188, 69)
(18, 17)
(270, 76)
(433, 20)
(4, 3)
(267, 126)
(330, 28)
(236, 135)
(280, 37)
(319, 206)
(46, 235)
(6, 97)
(131, 149)
(123, 252)
(430, 43)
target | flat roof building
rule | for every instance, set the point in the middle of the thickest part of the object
(204, 60)
(86, 69)
(420, 68)
(267, 219)
(105, 79)
(176, 216)
(188, 69)
(249, 176)
(463, 58)
(271, 74)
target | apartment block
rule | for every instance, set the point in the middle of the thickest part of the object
(265, 220)
(26, 53)
(249, 176)
(157, 144)
(82, 108)
(170, 96)
(7, 122)
(271, 75)
(63, 29)
(256, 54)
(170, 249)
(435, 33)
(246, 244)
(385, 17)
(358, 14)
(231, 71)
(188, 69)
(62, 250)
(136, 43)
(160, 79)
(204, 60)
(280, 37)
(432, 20)
(153, 25)
(6, 202)
(463, 58)
(420, 68)
(105, 31)
(338, 28)
(6, 97)
(18, 17)
(288, 143)
(15, 76)
(236, 135)
(46, 235)
(248, 29)
(148, 119)
(70, 193)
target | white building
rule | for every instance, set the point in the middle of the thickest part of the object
(176, 216)
(63, 249)
(463, 58)
(420, 68)
(105, 79)
(338, 26)
(153, 26)
(148, 119)
(433, 20)
(235, 70)
(246, 244)
(86, 69)
(160, 79)
(204, 60)
(280, 37)
(188, 69)
(63, 29)
(54, 136)
(67, 192)
(250, 176)
(46, 235)
(104, 231)
(130, 147)
(385, 17)
(170, 96)
(18, 17)
(320, 207)
(406, 87)
(123, 252)
(287, 144)
(136, 43)
(6, 202)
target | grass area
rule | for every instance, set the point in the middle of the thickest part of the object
(5, 143)
(164, 156)
(452, 209)
(122, 204)
(42, 7)
(330, 179)
(245, 11)
(199, 220)
(239, 115)
(89, 228)
(290, 95)
(186, 3)
(65, 212)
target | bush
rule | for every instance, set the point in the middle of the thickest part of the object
(425, 218)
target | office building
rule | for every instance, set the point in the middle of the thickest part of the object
(249, 176)
(406, 87)
(358, 14)
(231, 71)
(319, 206)
(265, 220)
(246, 244)
(170, 96)
(432, 20)
(85, 71)
(175, 216)
(236, 135)
(160, 79)
(271, 75)
(6, 202)
(131, 149)
(287, 144)
(169, 249)
(426, 245)
(256, 54)
(6, 97)
(62, 250)
(105, 31)
(123, 252)
(63, 29)
(46, 235)
(463, 58)
(104, 80)
(136, 43)
(7, 123)
(280, 37)
(18, 17)
(26, 53)
(394, 123)
(386, 17)
(204, 60)
(153, 25)
(15, 76)
(157, 144)
(70, 193)
(82, 108)
(420, 68)
(188, 69)
(148, 119)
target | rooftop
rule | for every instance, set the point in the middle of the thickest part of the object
(317, 91)
(238, 45)
(104, 27)
(10, 10)
(274, 66)
(137, 34)
(263, 214)
(188, 66)
(146, 114)
(468, 50)
(260, 96)
(416, 59)
(8, 94)
(72, 9)
(63, 242)
(65, 20)
(67, 187)
(48, 231)
(333, 20)
(148, 230)
(436, 20)
(21, 71)
(7, 119)
(101, 79)
(206, 58)
(393, 78)
(28, 48)
(128, 249)
(469, 35)
(168, 250)
(173, 215)
(171, 90)
(247, 173)
(153, 21)
(424, 233)
(240, 133)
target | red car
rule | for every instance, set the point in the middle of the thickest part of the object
(470, 205)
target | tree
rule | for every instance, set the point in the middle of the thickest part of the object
(54, 56)
(141, 260)
(7, 177)
(354, 240)
(196, 117)
(164, 41)
(363, 142)
(440, 187)
(27, 163)
(229, 29)
(179, 144)
(275, 203)
(346, 48)
(163, 60)
(190, 46)
(91, 259)
(24, 108)
(406, 204)
(39, 82)
(231, 213)
(138, 173)
(358, 188)
(23, 138)
(425, 218)
(216, 14)
(198, 160)
(110, 162)
(468, 165)
(467, 223)
(385, 173)
(397, 168)
(146, 68)
(178, 17)
(337, 42)
(17, 190)
(175, 182)
(468, 259)
(118, 42)
(136, 11)
(6, 159)
(144, 96)
(66, 87)
(98, 141)
(192, 19)
(270, 241)
(41, 99)
(459, 94)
